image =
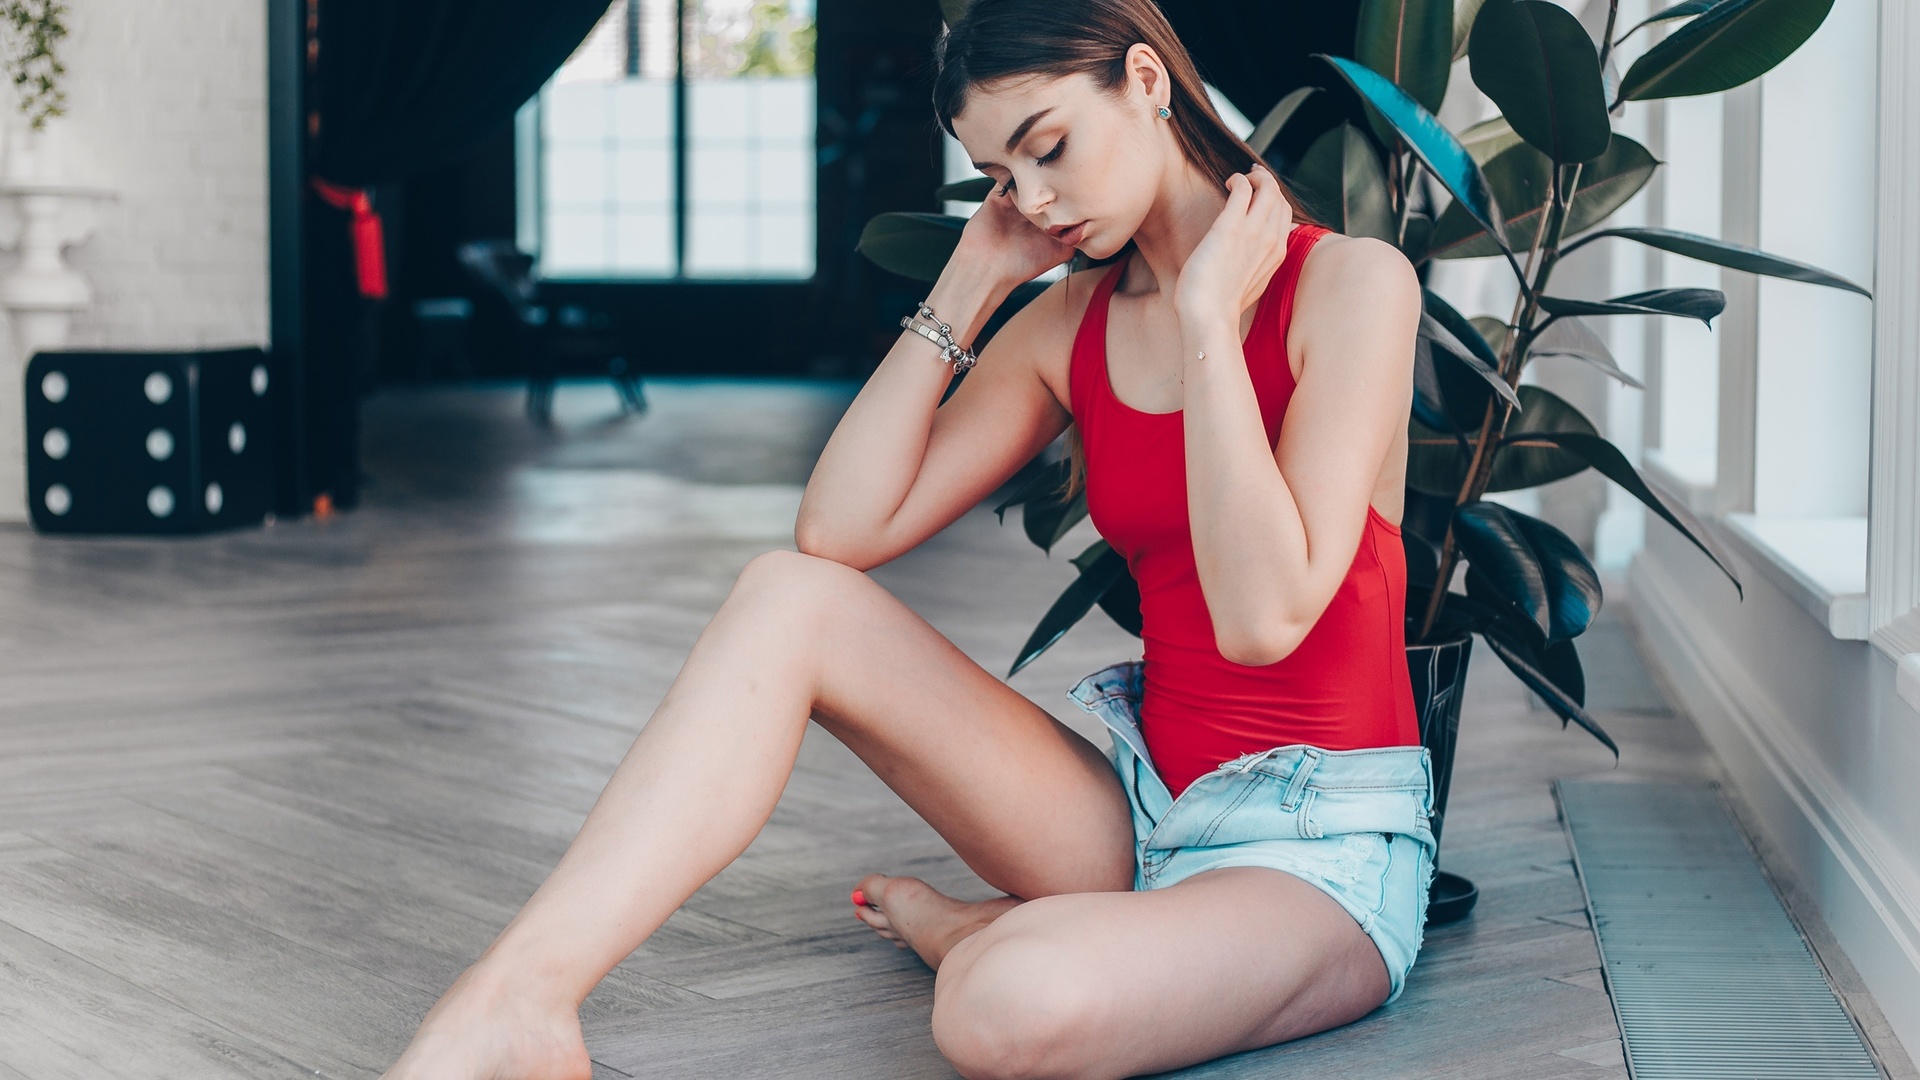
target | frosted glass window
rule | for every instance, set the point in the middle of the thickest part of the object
(610, 153)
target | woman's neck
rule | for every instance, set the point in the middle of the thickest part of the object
(1187, 207)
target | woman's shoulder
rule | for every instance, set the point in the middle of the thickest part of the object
(1343, 261)
(1349, 280)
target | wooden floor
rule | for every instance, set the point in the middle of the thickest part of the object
(263, 795)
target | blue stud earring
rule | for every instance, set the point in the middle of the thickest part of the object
(1166, 113)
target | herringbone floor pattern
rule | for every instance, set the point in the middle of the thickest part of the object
(263, 795)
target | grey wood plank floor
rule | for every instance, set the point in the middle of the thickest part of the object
(262, 795)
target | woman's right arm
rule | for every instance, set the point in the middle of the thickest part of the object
(900, 466)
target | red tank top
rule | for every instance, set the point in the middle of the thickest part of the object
(1346, 686)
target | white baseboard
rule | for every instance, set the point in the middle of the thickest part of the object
(1844, 863)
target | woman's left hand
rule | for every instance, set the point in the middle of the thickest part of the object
(1226, 274)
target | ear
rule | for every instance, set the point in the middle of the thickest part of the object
(1147, 78)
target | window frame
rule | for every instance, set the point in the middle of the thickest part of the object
(532, 195)
(1893, 491)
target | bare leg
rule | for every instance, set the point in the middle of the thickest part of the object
(1031, 806)
(1100, 986)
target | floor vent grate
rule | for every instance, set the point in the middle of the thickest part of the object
(1709, 976)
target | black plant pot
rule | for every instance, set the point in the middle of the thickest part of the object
(1439, 673)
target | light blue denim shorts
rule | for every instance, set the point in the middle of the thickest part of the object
(1354, 823)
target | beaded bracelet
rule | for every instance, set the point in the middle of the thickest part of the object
(942, 335)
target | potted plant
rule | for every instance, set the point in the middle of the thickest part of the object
(1528, 186)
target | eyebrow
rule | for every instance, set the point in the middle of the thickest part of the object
(1019, 133)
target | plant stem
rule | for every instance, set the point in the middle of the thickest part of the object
(1541, 260)
(1606, 36)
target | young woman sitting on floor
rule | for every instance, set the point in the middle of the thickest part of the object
(1249, 864)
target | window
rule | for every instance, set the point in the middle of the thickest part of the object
(1686, 430)
(1815, 345)
(677, 142)
(1767, 417)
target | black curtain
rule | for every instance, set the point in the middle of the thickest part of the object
(404, 85)
(1257, 51)
(395, 88)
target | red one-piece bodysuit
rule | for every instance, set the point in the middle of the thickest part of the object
(1345, 687)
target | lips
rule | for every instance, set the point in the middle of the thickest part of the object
(1068, 234)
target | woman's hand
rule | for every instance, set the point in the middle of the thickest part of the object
(1011, 248)
(1226, 274)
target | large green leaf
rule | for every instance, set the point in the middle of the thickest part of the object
(1573, 586)
(1532, 566)
(952, 10)
(911, 244)
(1459, 326)
(1702, 304)
(1521, 462)
(1733, 42)
(1429, 140)
(1047, 520)
(1485, 140)
(1536, 62)
(1100, 568)
(1277, 117)
(1502, 561)
(972, 189)
(1528, 665)
(1121, 602)
(1410, 42)
(1570, 335)
(1686, 9)
(1466, 381)
(1464, 12)
(1607, 459)
(1044, 482)
(1521, 178)
(1437, 463)
(1492, 329)
(1341, 178)
(1450, 346)
(1560, 662)
(1429, 400)
(1722, 253)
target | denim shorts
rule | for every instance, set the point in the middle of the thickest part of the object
(1353, 823)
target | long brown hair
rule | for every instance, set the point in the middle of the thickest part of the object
(1006, 39)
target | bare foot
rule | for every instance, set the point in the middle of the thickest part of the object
(481, 1030)
(913, 914)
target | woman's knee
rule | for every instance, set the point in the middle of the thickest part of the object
(1014, 1008)
(792, 581)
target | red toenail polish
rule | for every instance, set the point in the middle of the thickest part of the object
(859, 898)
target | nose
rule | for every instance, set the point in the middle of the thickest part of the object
(1031, 201)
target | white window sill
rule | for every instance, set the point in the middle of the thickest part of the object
(1820, 562)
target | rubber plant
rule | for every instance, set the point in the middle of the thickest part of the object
(1528, 186)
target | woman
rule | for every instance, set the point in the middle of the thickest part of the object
(1282, 892)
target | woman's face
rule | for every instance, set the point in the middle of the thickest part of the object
(1082, 163)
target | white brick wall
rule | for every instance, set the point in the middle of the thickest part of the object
(167, 107)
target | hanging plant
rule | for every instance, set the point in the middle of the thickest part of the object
(34, 27)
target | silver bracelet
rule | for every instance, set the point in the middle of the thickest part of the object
(941, 335)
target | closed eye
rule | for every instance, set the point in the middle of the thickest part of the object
(1048, 158)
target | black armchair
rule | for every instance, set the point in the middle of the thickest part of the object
(549, 334)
